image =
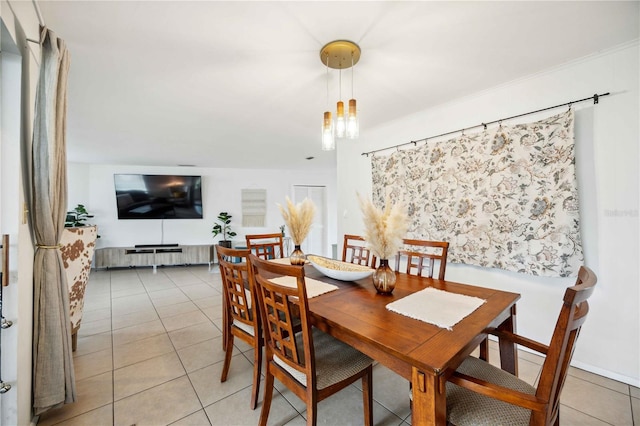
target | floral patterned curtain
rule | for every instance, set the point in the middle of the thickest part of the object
(503, 198)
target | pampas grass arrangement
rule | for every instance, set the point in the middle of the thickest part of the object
(298, 218)
(384, 229)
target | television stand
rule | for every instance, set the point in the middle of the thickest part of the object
(155, 245)
(142, 255)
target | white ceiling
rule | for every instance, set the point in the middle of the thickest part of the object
(241, 84)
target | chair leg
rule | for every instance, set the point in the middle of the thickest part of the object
(257, 368)
(367, 396)
(312, 411)
(74, 341)
(227, 358)
(266, 401)
(225, 322)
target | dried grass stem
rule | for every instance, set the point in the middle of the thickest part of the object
(299, 218)
(384, 229)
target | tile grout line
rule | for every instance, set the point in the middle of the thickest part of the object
(172, 344)
(113, 355)
(178, 355)
(202, 407)
(633, 420)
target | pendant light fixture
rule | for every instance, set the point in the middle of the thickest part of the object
(341, 122)
(340, 54)
(328, 139)
(353, 126)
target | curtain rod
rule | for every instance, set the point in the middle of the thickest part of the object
(595, 98)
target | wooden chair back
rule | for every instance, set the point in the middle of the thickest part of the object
(556, 365)
(241, 316)
(236, 284)
(494, 383)
(421, 256)
(266, 246)
(289, 345)
(284, 312)
(355, 251)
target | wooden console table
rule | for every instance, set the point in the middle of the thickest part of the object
(121, 257)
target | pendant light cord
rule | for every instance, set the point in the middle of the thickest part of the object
(327, 82)
(352, 97)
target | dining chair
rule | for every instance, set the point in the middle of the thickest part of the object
(420, 257)
(355, 251)
(266, 246)
(241, 319)
(480, 394)
(312, 364)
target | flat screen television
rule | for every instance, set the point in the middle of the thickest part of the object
(158, 196)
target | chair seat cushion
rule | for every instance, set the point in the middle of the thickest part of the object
(244, 327)
(465, 407)
(335, 360)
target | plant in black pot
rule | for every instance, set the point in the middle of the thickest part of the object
(223, 227)
(77, 217)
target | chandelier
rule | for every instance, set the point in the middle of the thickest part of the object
(340, 54)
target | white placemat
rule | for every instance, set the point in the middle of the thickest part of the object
(436, 307)
(314, 287)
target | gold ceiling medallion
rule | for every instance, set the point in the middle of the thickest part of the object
(340, 54)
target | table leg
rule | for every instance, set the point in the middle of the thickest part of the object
(508, 350)
(484, 349)
(429, 405)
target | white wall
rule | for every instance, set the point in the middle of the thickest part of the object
(607, 157)
(92, 185)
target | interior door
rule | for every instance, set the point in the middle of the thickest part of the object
(316, 241)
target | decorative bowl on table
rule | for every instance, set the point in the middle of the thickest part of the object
(338, 270)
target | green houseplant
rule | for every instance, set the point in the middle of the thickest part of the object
(77, 217)
(223, 227)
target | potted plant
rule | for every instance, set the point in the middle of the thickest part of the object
(77, 217)
(223, 227)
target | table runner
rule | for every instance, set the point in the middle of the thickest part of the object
(284, 261)
(436, 307)
(314, 287)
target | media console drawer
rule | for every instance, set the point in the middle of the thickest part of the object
(122, 257)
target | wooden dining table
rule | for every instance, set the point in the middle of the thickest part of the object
(420, 352)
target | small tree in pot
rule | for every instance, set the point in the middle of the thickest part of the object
(223, 227)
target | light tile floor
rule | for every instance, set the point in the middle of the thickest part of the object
(149, 353)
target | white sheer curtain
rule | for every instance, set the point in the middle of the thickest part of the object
(53, 375)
